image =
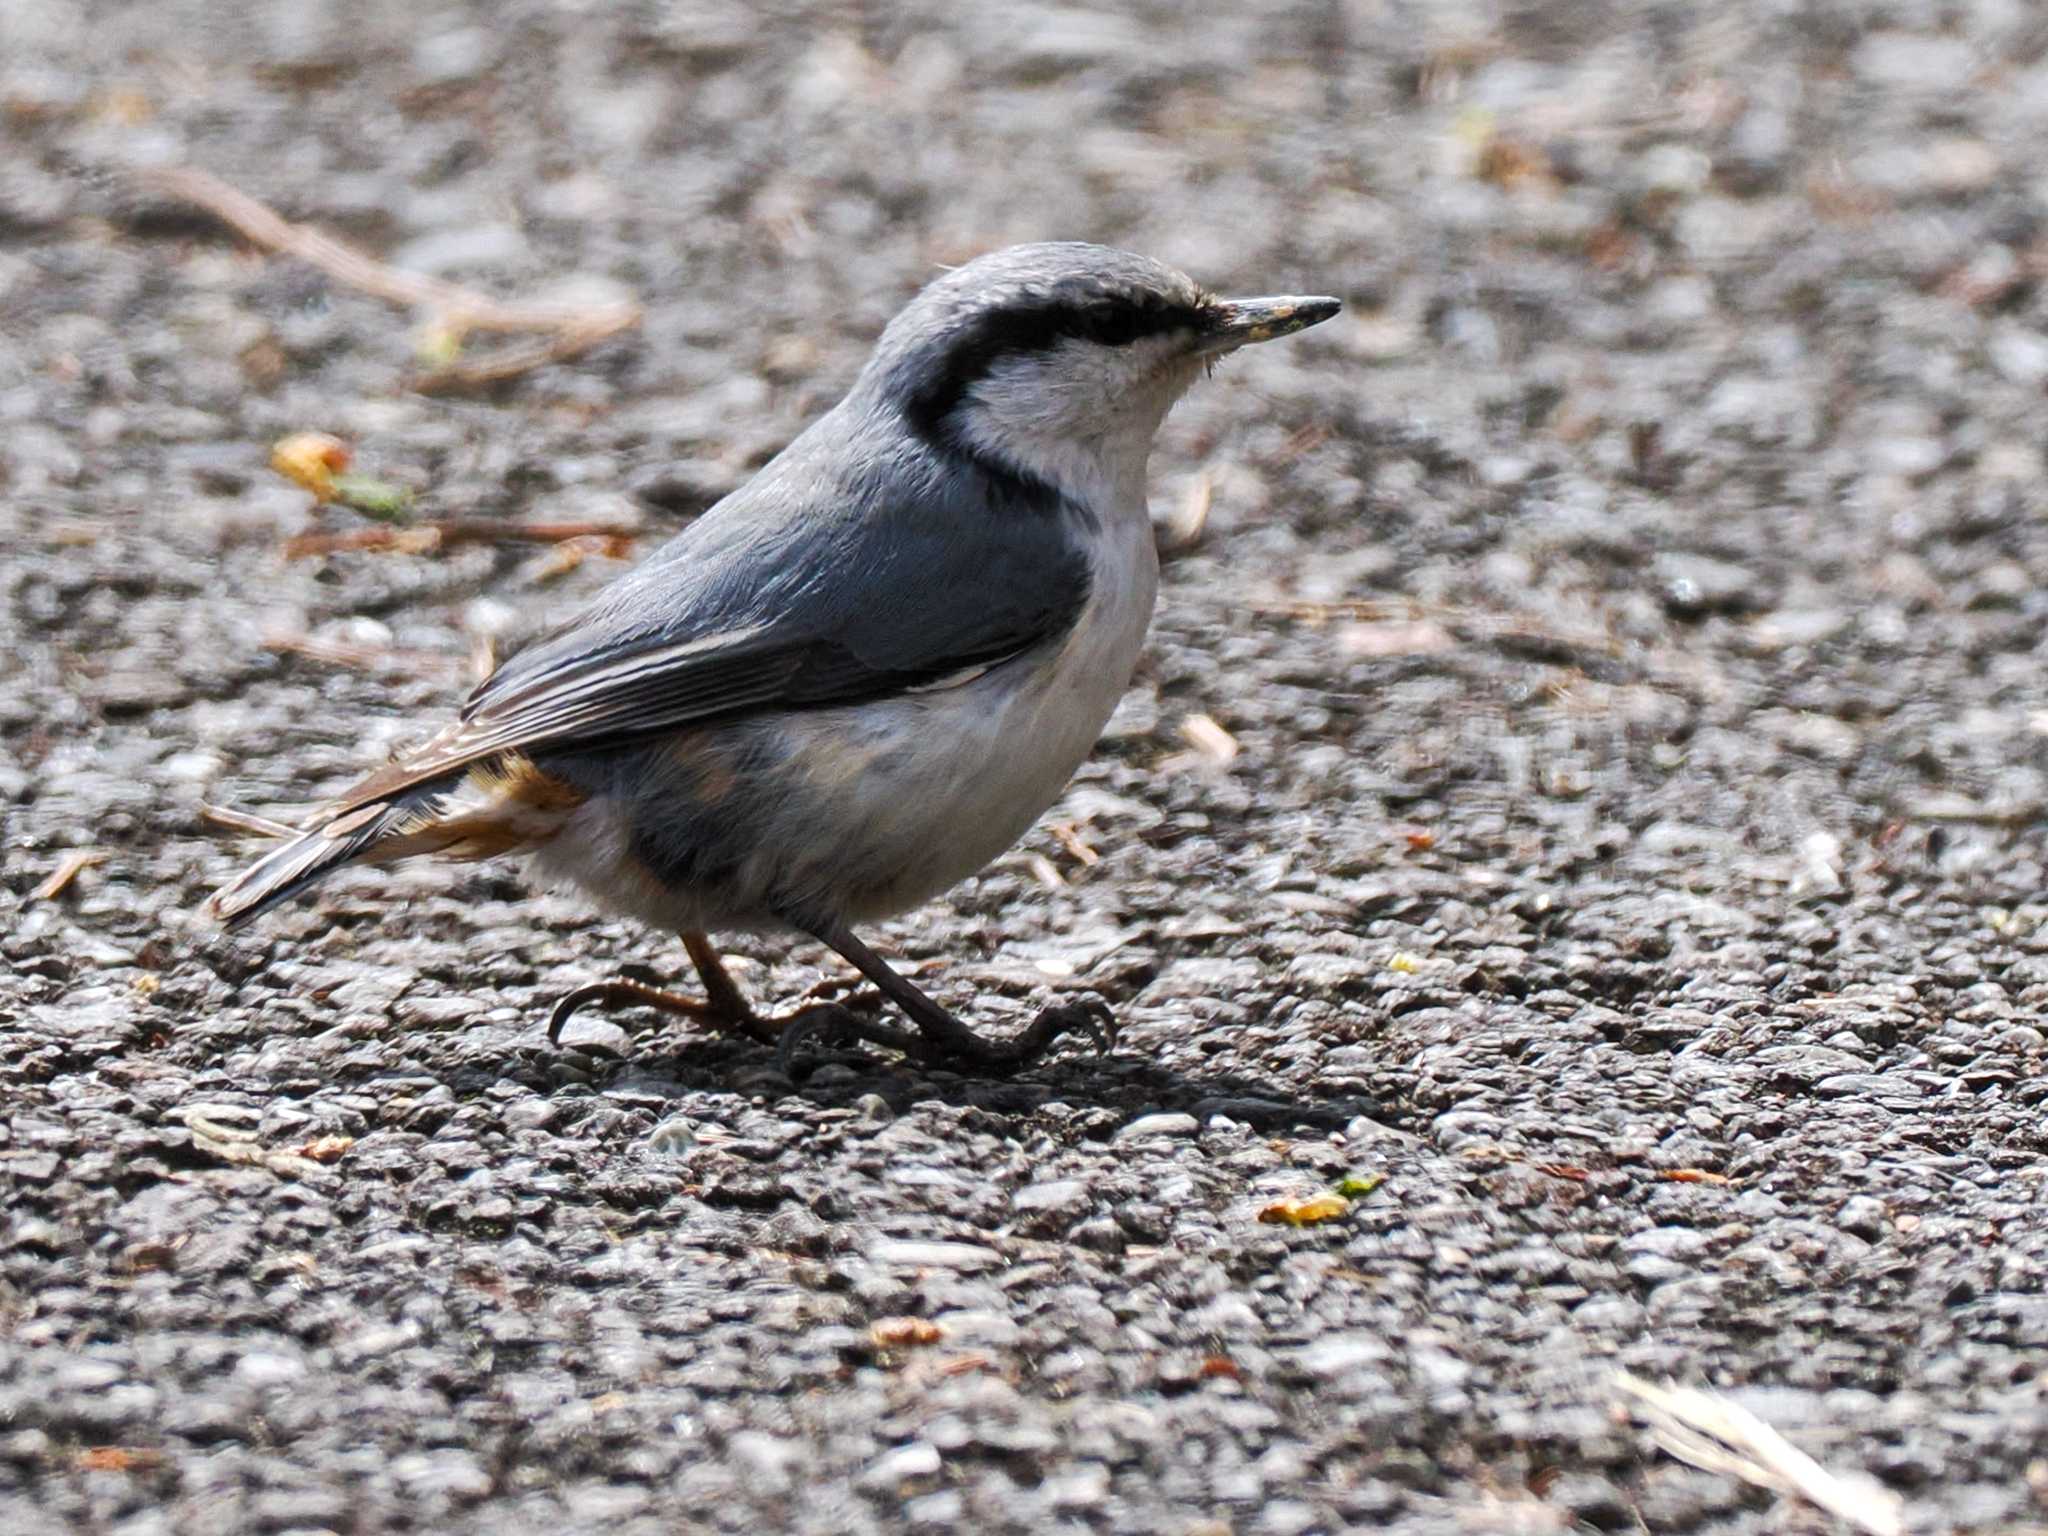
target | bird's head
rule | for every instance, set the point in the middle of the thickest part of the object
(1056, 363)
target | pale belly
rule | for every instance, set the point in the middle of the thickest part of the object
(931, 788)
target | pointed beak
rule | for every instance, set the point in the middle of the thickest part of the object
(1233, 323)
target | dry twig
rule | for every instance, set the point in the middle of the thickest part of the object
(1473, 623)
(245, 821)
(1715, 1435)
(510, 362)
(1045, 872)
(60, 878)
(1068, 836)
(366, 658)
(567, 329)
(566, 556)
(234, 1143)
(423, 538)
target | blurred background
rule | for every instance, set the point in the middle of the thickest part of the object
(1594, 722)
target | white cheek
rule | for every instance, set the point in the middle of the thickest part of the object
(1081, 416)
(1064, 390)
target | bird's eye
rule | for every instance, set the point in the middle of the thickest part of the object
(1113, 325)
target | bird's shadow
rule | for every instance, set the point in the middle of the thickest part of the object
(1119, 1086)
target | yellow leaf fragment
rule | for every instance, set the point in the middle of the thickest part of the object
(1306, 1213)
(312, 460)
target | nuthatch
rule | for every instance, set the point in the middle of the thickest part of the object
(859, 678)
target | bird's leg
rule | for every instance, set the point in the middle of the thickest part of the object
(827, 1021)
(724, 1005)
(945, 1037)
(720, 990)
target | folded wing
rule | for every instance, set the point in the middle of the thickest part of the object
(749, 611)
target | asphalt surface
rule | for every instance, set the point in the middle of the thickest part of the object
(1616, 825)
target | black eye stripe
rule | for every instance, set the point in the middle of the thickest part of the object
(1114, 322)
(1018, 329)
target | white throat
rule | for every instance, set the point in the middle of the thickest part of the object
(1099, 473)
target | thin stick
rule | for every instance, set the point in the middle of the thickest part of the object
(510, 362)
(1485, 626)
(454, 304)
(1068, 836)
(245, 821)
(456, 309)
(367, 658)
(420, 538)
(79, 859)
(234, 1144)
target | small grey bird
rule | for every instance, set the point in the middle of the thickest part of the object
(859, 678)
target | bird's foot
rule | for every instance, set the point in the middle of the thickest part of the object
(1089, 1016)
(624, 990)
(943, 1040)
(832, 1025)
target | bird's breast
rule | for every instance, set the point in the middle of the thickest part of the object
(924, 791)
(1093, 667)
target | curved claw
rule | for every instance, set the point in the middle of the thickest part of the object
(1089, 1016)
(567, 1006)
(621, 990)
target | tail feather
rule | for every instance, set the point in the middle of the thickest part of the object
(496, 806)
(306, 860)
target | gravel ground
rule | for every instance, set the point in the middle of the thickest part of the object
(1628, 619)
